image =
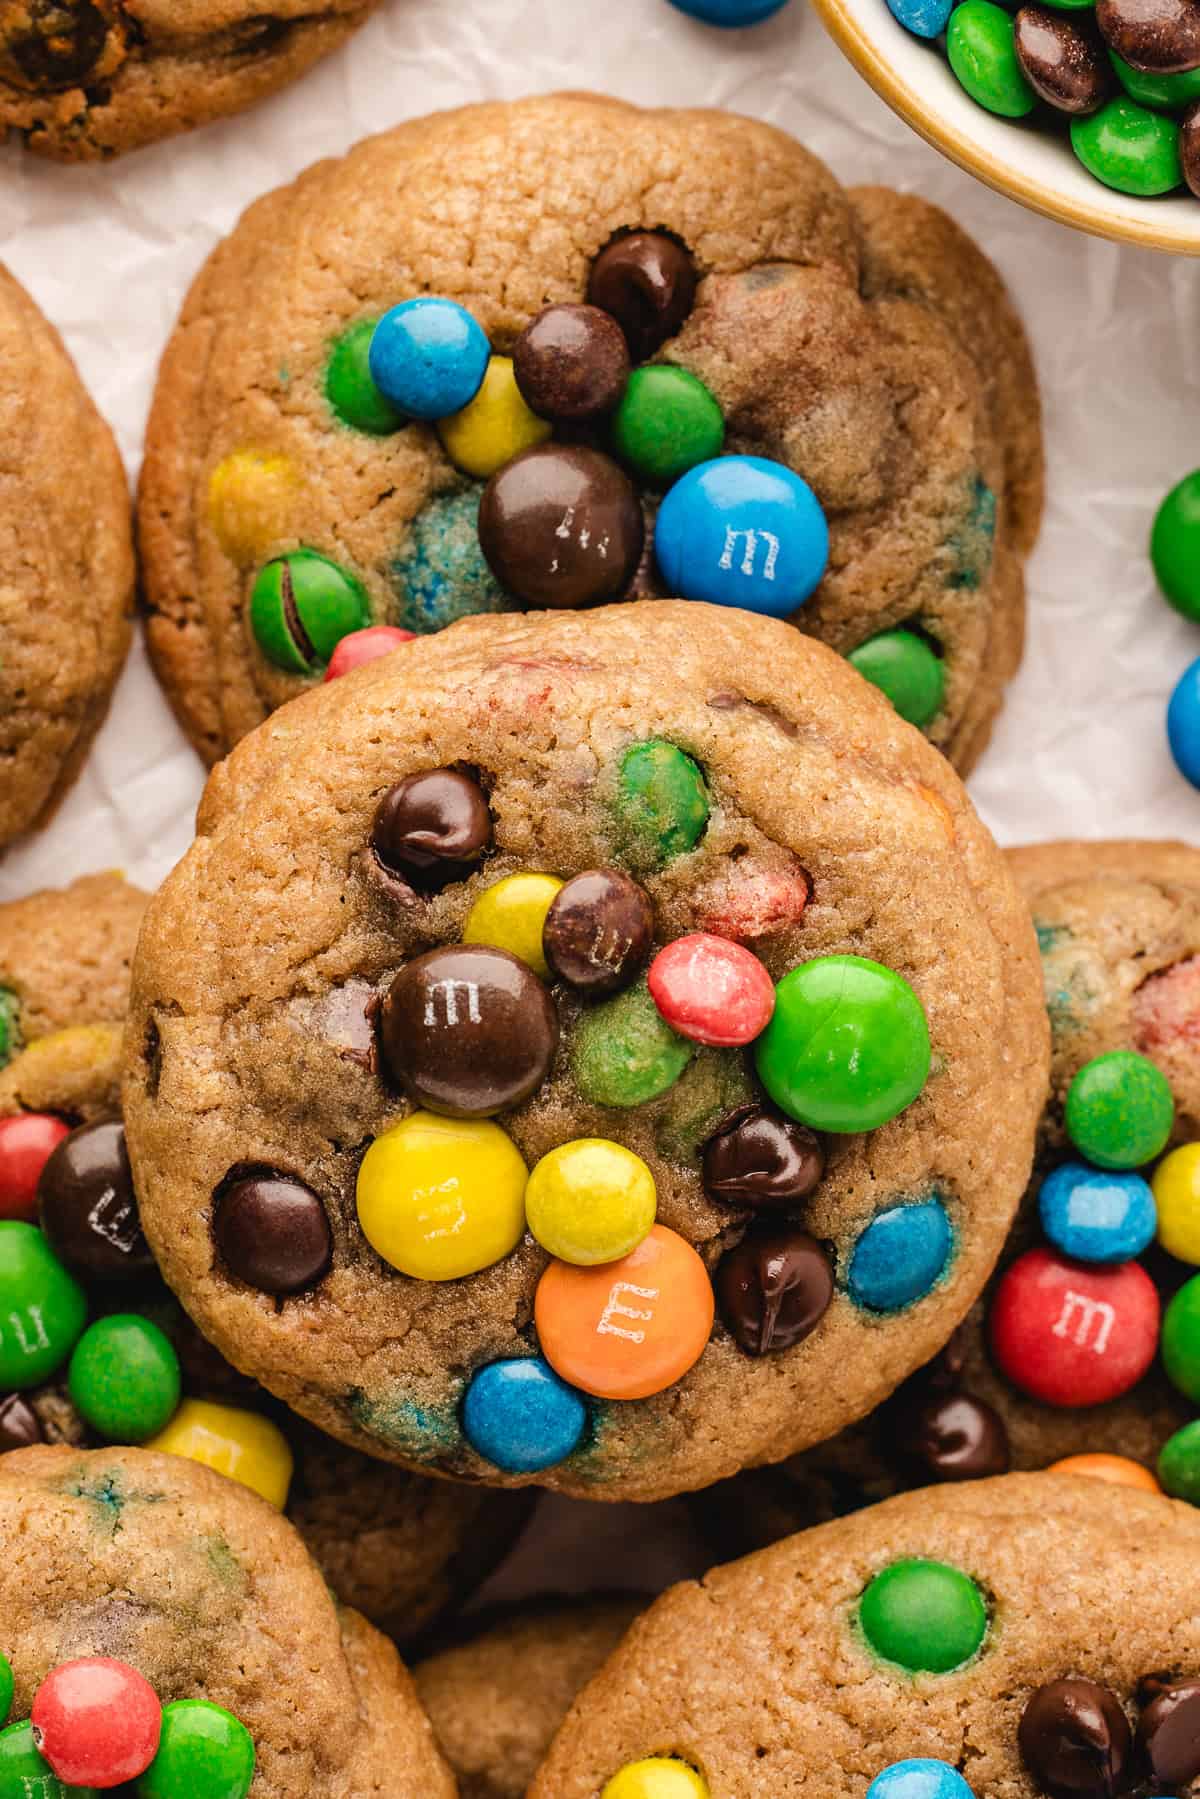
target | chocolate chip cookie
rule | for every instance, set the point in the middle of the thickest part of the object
(398, 1548)
(83, 80)
(496, 1698)
(205, 1591)
(1032, 1634)
(606, 1051)
(66, 601)
(675, 309)
(1119, 929)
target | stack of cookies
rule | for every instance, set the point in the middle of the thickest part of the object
(592, 1043)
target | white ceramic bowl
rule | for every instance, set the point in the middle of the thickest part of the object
(1029, 163)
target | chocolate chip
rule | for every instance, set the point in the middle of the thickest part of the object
(1075, 1740)
(648, 283)
(20, 1425)
(1161, 37)
(468, 1030)
(1169, 1734)
(432, 828)
(571, 363)
(271, 1230)
(759, 1158)
(773, 1289)
(952, 1436)
(598, 931)
(88, 1209)
(1063, 62)
(56, 43)
(561, 526)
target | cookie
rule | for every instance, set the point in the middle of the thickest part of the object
(740, 305)
(207, 1593)
(399, 1548)
(1119, 930)
(936, 1627)
(496, 1699)
(66, 601)
(470, 1217)
(85, 80)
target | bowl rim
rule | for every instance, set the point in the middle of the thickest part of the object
(1004, 177)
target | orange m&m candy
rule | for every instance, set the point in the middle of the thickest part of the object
(1115, 1468)
(627, 1329)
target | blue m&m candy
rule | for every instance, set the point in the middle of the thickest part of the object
(428, 357)
(729, 13)
(919, 1778)
(901, 1256)
(924, 18)
(1183, 723)
(521, 1417)
(1097, 1214)
(742, 531)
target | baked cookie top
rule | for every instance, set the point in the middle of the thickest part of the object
(937, 1625)
(204, 1590)
(59, 659)
(858, 338)
(397, 1547)
(395, 1040)
(1118, 924)
(84, 80)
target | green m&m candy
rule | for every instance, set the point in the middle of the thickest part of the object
(1120, 1110)
(301, 606)
(1173, 92)
(666, 423)
(204, 1752)
(925, 1616)
(624, 1051)
(661, 803)
(1179, 1464)
(26, 1774)
(349, 388)
(981, 46)
(903, 667)
(1129, 148)
(124, 1378)
(847, 1047)
(1181, 1339)
(42, 1307)
(1175, 544)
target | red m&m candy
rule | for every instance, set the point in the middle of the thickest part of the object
(26, 1142)
(711, 990)
(365, 646)
(1074, 1333)
(97, 1722)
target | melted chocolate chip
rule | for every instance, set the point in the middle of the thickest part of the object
(648, 283)
(271, 1230)
(759, 1158)
(20, 1425)
(598, 931)
(88, 1209)
(432, 828)
(1169, 1734)
(773, 1289)
(1075, 1740)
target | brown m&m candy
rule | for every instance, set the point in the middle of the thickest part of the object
(1169, 1733)
(756, 1157)
(87, 1208)
(1161, 37)
(571, 364)
(561, 526)
(1075, 1740)
(648, 283)
(271, 1230)
(773, 1289)
(432, 828)
(952, 1436)
(468, 1030)
(1063, 61)
(20, 1426)
(598, 931)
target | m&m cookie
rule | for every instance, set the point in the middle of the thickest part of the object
(1033, 1634)
(594, 1005)
(758, 393)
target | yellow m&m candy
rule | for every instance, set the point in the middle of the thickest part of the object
(243, 1445)
(661, 1777)
(590, 1201)
(1176, 1188)
(251, 497)
(493, 427)
(511, 915)
(442, 1197)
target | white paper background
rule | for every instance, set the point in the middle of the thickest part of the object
(1080, 749)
